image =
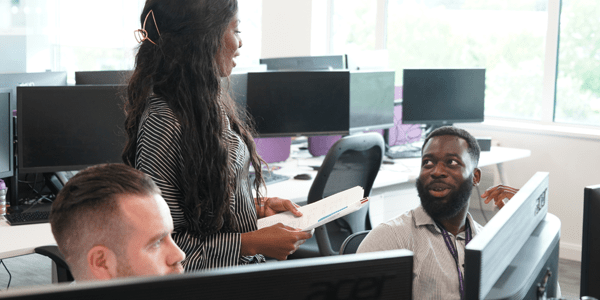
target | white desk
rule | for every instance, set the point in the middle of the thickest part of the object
(393, 193)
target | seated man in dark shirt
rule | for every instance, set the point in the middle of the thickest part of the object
(111, 221)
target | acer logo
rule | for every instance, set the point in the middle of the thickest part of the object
(349, 289)
(540, 202)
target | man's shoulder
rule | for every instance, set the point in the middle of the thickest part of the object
(393, 234)
(403, 220)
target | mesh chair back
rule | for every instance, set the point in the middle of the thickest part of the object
(352, 161)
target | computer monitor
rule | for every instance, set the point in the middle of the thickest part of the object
(371, 100)
(6, 134)
(590, 250)
(314, 103)
(516, 248)
(377, 275)
(295, 103)
(306, 63)
(8, 84)
(438, 97)
(69, 128)
(102, 77)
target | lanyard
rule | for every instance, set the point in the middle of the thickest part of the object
(454, 252)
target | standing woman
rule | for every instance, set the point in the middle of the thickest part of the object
(186, 133)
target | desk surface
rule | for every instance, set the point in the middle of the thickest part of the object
(23, 239)
(401, 171)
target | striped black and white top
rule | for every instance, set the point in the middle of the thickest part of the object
(434, 269)
(159, 155)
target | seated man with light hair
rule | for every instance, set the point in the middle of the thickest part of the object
(111, 221)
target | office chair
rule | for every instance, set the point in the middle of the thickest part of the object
(352, 242)
(351, 161)
(63, 273)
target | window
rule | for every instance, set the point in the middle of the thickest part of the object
(353, 26)
(578, 71)
(507, 38)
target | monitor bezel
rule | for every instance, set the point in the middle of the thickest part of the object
(273, 280)
(11, 152)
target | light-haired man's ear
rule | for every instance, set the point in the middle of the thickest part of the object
(102, 263)
(476, 176)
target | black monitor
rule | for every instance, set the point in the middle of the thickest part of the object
(438, 97)
(8, 84)
(69, 128)
(295, 103)
(6, 134)
(313, 103)
(306, 63)
(590, 246)
(102, 77)
(377, 275)
(516, 249)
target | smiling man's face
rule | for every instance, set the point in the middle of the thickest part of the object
(447, 176)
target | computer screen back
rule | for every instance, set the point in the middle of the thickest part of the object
(31, 79)
(492, 250)
(69, 128)
(443, 96)
(293, 103)
(371, 100)
(102, 77)
(306, 63)
(590, 252)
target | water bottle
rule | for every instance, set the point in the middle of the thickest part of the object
(3, 191)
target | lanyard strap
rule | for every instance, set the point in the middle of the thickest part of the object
(454, 252)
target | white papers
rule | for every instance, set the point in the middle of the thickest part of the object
(320, 212)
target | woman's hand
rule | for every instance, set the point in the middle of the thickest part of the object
(277, 241)
(273, 205)
(498, 193)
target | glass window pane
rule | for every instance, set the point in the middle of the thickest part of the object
(353, 26)
(505, 37)
(578, 78)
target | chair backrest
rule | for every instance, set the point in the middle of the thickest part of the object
(352, 161)
(63, 273)
(352, 242)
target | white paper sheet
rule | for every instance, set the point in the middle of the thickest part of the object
(320, 212)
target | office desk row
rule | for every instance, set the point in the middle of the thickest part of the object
(393, 193)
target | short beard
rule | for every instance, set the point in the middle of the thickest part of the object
(443, 211)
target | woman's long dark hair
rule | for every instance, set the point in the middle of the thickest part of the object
(183, 69)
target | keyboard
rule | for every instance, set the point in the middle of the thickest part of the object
(27, 218)
(403, 152)
(270, 177)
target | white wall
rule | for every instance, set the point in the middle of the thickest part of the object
(571, 157)
(286, 28)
